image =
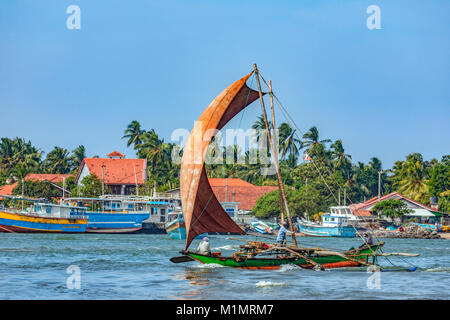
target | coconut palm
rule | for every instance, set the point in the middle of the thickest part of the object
(315, 146)
(58, 161)
(288, 143)
(77, 157)
(133, 133)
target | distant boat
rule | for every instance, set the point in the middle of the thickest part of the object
(175, 227)
(261, 227)
(119, 214)
(334, 224)
(43, 218)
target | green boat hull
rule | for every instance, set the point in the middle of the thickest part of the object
(328, 261)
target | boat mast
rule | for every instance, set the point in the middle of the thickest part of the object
(274, 153)
(280, 186)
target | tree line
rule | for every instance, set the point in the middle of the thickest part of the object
(311, 186)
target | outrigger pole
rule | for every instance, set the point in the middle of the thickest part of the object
(274, 153)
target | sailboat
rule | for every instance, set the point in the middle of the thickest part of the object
(204, 213)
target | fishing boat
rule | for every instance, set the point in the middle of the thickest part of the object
(43, 217)
(119, 214)
(261, 227)
(329, 225)
(175, 227)
(203, 212)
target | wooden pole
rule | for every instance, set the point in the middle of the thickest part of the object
(280, 186)
(269, 136)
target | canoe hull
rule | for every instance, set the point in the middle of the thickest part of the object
(328, 262)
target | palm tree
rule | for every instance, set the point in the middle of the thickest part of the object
(315, 146)
(77, 157)
(58, 161)
(260, 126)
(288, 143)
(411, 178)
(133, 133)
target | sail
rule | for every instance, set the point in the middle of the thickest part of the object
(201, 209)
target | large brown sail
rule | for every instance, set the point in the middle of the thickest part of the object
(201, 209)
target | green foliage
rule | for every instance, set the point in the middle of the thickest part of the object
(392, 208)
(37, 189)
(91, 186)
(439, 179)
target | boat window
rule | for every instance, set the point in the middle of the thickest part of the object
(332, 219)
(113, 205)
(130, 206)
(48, 209)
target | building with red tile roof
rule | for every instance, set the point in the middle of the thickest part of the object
(119, 174)
(420, 210)
(7, 190)
(237, 190)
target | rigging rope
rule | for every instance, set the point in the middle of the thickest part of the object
(292, 122)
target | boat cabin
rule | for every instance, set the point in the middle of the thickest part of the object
(56, 211)
(330, 220)
(124, 204)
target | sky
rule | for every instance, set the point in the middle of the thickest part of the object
(383, 92)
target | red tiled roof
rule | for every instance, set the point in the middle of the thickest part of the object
(239, 191)
(116, 154)
(55, 178)
(116, 171)
(355, 209)
(6, 190)
(374, 200)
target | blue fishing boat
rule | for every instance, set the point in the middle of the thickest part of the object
(175, 227)
(120, 214)
(43, 217)
(261, 227)
(335, 224)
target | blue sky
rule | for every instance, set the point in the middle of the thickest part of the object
(384, 92)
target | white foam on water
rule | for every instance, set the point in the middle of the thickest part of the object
(438, 269)
(208, 266)
(262, 284)
(226, 247)
(287, 267)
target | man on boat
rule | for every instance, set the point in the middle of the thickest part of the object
(368, 239)
(203, 247)
(284, 229)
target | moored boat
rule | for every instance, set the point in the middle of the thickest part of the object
(175, 227)
(329, 226)
(261, 227)
(118, 214)
(43, 218)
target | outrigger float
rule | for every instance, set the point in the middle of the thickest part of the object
(203, 212)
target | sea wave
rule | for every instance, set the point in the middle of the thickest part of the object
(261, 284)
(227, 247)
(287, 267)
(207, 266)
(438, 269)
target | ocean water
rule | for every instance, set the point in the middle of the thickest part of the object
(137, 266)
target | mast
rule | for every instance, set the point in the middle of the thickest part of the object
(274, 153)
(280, 186)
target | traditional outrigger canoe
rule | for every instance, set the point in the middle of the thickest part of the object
(307, 258)
(203, 212)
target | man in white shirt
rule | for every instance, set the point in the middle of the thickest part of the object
(203, 247)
